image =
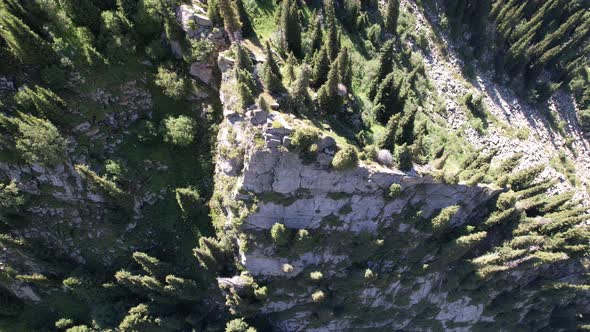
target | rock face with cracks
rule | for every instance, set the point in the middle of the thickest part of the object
(382, 265)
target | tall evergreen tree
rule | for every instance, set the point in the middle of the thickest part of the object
(271, 74)
(321, 67)
(385, 67)
(290, 27)
(231, 17)
(82, 12)
(332, 40)
(391, 16)
(345, 67)
(299, 94)
(329, 98)
(22, 42)
(316, 34)
(389, 97)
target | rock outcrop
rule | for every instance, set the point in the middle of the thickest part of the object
(371, 249)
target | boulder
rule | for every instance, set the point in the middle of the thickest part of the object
(202, 71)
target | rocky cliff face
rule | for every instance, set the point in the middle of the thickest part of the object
(355, 258)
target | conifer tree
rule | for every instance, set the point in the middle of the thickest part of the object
(316, 34)
(290, 27)
(385, 67)
(345, 67)
(182, 288)
(22, 42)
(332, 40)
(290, 68)
(389, 97)
(387, 141)
(82, 12)
(41, 101)
(329, 98)
(243, 60)
(211, 254)
(231, 17)
(321, 67)
(391, 16)
(150, 265)
(247, 29)
(299, 94)
(271, 74)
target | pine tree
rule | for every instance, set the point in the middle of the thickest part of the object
(41, 101)
(385, 67)
(387, 141)
(329, 98)
(211, 254)
(243, 60)
(290, 68)
(22, 42)
(321, 67)
(247, 29)
(389, 97)
(391, 16)
(231, 17)
(299, 94)
(105, 185)
(332, 40)
(290, 27)
(316, 34)
(345, 67)
(150, 265)
(82, 12)
(181, 288)
(271, 74)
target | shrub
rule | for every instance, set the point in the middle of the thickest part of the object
(523, 179)
(318, 296)
(40, 142)
(261, 293)
(280, 234)
(173, 85)
(316, 275)
(238, 325)
(395, 191)
(179, 131)
(147, 132)
(287, 268)
(202, 51)
(506, 200)
(370, 276)
(189, 201)
(303, 138)
(403, 155)
(442, 220)
(64, 323)
(346, 158)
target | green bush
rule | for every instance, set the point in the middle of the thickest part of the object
(179, 131)
(303, 138)
(64, 323)
(403, 156)
(442, 220)
(39, 141)
(318, 296)
(280, 234)
(395, 191)
(173, 85)
(506, 200)
(345, 158)
(238, 325)
(316, 275)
